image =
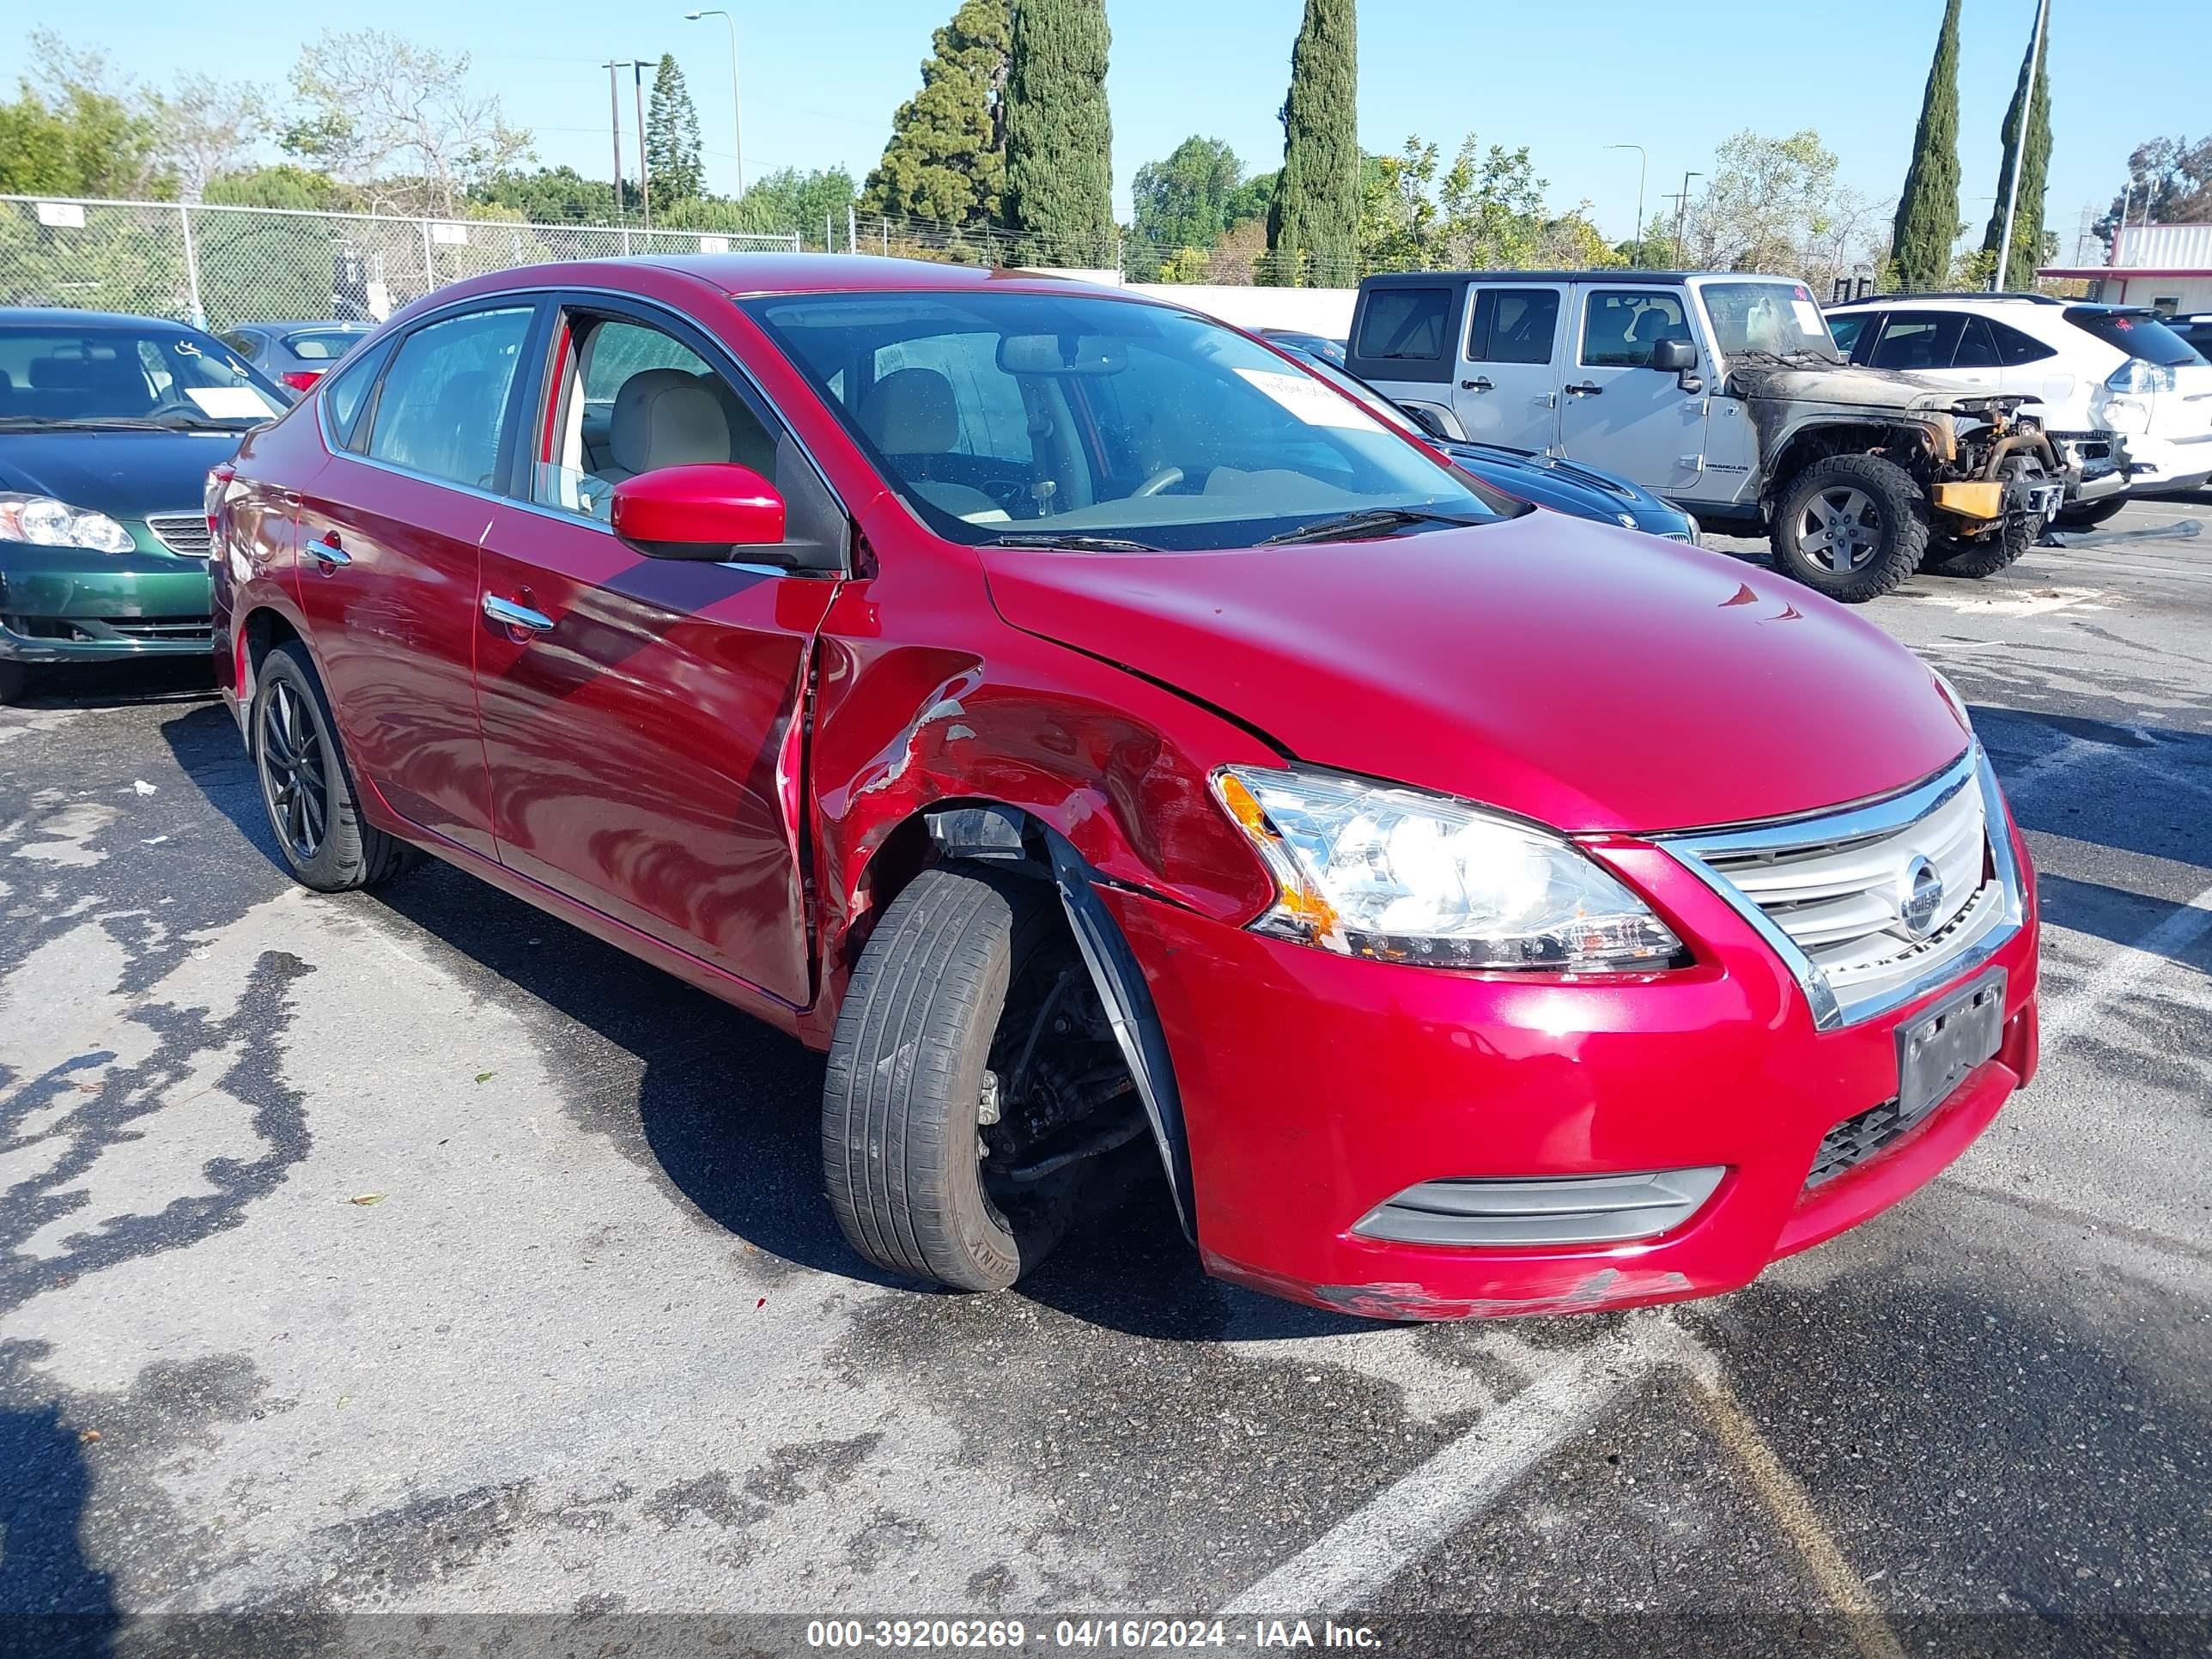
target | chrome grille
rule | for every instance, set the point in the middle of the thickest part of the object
(1835, 894)
(184, 533)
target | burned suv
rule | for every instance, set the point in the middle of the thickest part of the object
(1725, 393)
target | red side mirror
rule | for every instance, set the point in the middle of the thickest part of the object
(698, 512)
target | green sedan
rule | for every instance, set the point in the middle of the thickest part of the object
(108, 426)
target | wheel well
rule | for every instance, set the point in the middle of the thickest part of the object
(265, 631)
(1816, 443)
(999, 836)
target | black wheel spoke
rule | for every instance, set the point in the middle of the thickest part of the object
(311, 801)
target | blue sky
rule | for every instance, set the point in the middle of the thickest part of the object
(820, 82)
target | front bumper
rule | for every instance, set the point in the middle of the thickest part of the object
(61, 604)
(1316, 1087)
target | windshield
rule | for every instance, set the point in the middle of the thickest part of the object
(1774, 319)
(1039, 417)
(2138, 333)
(60, 374)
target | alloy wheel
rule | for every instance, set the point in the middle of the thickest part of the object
(1841, 528)
(294, 780)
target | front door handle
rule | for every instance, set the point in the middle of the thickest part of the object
(507, 614)
(1587, 389)
(1479, 383)
(328, 554)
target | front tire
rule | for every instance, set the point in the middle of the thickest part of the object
(967, 968)
(306, 785)
(1850, 526)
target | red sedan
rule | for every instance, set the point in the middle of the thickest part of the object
(1090, 728)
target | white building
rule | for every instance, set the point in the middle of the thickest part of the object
(2167, 267)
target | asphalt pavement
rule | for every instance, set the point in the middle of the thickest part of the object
(400, 1263)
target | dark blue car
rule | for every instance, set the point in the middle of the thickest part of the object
(1563, 486)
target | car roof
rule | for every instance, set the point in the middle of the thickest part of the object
(46, 315)
(1429, 278)
(1960, 301)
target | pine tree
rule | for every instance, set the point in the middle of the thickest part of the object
(1313, 224)
(947, 159)
(1059, 134)
(2031, 98)
(672, 138)
(1928, 212)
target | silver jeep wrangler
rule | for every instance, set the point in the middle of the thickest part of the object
(1725, 393)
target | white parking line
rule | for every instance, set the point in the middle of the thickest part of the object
(2128, 969)
(1377, 1540)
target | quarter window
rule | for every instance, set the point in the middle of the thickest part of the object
(1404, 323)
(1513, 326)
(2015, 347)
(1621, 326)
(444, 400)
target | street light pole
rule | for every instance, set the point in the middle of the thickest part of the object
(737, 126)
(1643, 165)
(2019, 147)
(644, 164)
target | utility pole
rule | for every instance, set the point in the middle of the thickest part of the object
(1681, 205)
(737, 126)
(1643, 165)
(614, 124)
(644, 166)
(2019, 147)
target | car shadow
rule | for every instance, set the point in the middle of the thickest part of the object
(2135, 788)
(52, 1599)
(115, 684)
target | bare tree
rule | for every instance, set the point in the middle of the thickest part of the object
(400, 120)
(206, 127)
(1774, 205)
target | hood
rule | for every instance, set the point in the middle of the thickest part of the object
(1565, 486)
(1590, 678)
(1850, 386)
(125, 475)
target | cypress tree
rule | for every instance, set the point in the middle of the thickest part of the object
(1928, 211)
(1060, 135)
(2028, 114)
(1312, 224)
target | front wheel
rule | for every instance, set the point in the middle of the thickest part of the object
(972, 1079)
(1850, 526)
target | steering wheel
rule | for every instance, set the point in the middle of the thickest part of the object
(1159, 481)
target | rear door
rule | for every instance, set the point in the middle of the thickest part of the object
(1617, 412)
(1506, 387)
(643, 723)
(389, 537)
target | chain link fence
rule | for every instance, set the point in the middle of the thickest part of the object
(222, 266)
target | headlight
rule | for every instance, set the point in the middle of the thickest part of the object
(1364, 870)
(49, 523)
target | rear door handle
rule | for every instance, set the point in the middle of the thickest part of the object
(508, 614)
(1479, 383)
(328, 554)
(1587, 389)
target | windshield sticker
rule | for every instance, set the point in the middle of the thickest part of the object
(229, 403)
(1310, 400)
(1808, 317)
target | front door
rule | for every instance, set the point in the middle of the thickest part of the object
(1618, 413)
(389, 535)
(1506, 391)
(642, 719)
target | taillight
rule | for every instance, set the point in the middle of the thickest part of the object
(211, 498)
(301, 378)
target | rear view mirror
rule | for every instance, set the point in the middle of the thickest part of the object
(1062, 353)
(699, 512)
(1674, 356)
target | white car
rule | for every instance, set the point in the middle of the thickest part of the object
(2097, 369)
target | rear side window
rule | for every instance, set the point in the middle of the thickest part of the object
(1513, 326)
(1406, 324)
(2015, 347)
(1621, 326)
(2137, 333)
(444, 400)
(346, 394)
(1976, 347)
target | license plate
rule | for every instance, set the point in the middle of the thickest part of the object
(1939, 1047)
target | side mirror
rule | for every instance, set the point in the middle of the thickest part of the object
(1427, 419)
(699, 512)
(1673, 357)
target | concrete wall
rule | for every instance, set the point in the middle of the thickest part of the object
(1314, 310)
